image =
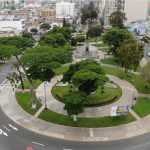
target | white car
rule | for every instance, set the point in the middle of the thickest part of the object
(148, 54)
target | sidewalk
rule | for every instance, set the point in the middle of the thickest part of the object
(15, 112)
(128, 91)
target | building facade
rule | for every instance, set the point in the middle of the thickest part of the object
(110, 6)
(65, 9)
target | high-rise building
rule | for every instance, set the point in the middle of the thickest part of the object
(148, 18)
(110, 6)
(65, 9)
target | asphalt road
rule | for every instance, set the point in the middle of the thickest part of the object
(14, 137)
(146, 50)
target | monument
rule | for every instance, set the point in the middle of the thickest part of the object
(87, 51)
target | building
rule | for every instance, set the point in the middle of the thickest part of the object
(12, 23)
(47, 12)
(148, 18)
(65, 9)
(139, 27)
(109, 7)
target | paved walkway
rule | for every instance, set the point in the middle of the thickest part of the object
(10, 106)
(128, 91)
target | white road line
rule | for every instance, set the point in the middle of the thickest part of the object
(38, 143)
(13, 127)
(4, 81)
(6, 128)
(67, 149)
(2, 132)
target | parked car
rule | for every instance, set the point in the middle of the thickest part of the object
(29, 148)
(148, 54)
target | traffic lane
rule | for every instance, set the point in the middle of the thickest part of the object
(24, 138)
(146, 50)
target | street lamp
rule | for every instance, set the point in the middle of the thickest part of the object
(45, 94)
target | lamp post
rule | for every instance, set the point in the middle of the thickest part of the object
(45, 94)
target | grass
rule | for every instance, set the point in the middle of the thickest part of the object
(25, 103)
(27, 85)
(135, 80)
(107, 121)
(98, 98)
(61, 70)
(111, 61)
(94, 39)
(142, 106)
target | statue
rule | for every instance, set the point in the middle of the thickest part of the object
(87, 46)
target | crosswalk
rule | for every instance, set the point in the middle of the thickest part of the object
(6, 129)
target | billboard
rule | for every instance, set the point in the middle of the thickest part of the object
(119, 110)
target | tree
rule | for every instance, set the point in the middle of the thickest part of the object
(18, 41)
(95, 31)
(88, 13)
(73, 41)
(34, 30)
(65, 31)
(145, 73)
(117, 19)
(27, 35)
(86, 81)
(130, 54)
(4, 52)
(80, 38)
(53, 40)
(114, 37)
(74, 103)
(45, 26)
(84, 64)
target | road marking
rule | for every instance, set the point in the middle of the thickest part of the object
(38, 143)
(2, 132)
(4, 81)
(13, 127)
(6, 128)
(67, 149)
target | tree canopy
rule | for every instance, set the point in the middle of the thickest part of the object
(86, 75)
(114, 37)
(45, 26)
(74, 102)
(130, 54)
(117, 19)
(95, 31)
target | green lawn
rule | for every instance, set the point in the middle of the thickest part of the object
(110, 95)
(108, 121)
(25, 103)
(142, 107)
(136, 80)
(111, 61)
(27, 85)
(61, 70)
(94, 39)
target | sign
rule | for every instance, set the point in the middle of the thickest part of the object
(119, 110)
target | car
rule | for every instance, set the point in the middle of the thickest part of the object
(29, 148)
(148, 54)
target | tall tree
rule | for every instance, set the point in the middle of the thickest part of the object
(114, 37)
(45, 26)
(130, 54)
(145, 73)
(88, 81)
(74, 103)
(117, 19)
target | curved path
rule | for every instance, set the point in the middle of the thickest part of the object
(19, 116)
(128, 91)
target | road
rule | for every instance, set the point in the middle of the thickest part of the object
(14, 137)
(146, 50)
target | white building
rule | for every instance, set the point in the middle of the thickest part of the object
(12, 23)
(65, 9)
(110, 6)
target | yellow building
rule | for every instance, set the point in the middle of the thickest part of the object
(47, 12)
